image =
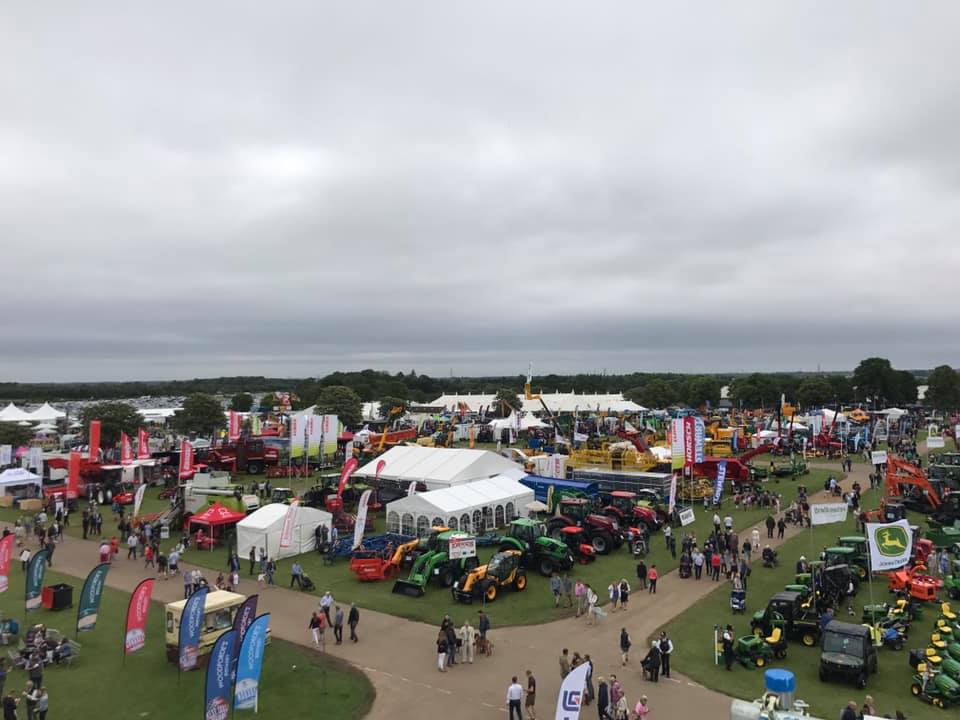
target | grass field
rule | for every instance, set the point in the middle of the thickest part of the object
(692, 634)
(99, 685)
(533, 606)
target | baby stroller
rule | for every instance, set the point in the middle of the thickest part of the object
(306, 584)
(738, 601)
(770, 558)
(685, 565)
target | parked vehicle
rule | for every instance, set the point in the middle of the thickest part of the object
(435, 562)
(603, 532)
(785, 610)
(847, 652)
(250, 454)
(538, 549)
(504, 570)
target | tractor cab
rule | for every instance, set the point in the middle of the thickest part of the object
(845, 555)
(503, 566)
(540, 550)
(857, 542)
(527, 531)
(576, 540)
(787, 611)
(281, 495)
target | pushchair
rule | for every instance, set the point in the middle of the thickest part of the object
(685, 565)
(770, 558)
(738, 601)
(306, 584)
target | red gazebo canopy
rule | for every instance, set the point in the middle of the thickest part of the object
(217, 515)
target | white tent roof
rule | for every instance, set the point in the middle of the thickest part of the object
(11, 413)
(557, 402)
(460, 499)
(45, 413)
(18, 476)
(436, 467)
(263, 528)
(527, 421)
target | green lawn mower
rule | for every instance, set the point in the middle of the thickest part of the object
(756, 651)
(938, 690)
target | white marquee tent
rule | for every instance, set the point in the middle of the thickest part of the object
(262, 529)
(14, 477)
(558, 402)
(11, 413)
(436, 467)
(475, 507)
(46, 413)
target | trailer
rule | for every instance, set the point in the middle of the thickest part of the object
(571, 488)
(609, 480)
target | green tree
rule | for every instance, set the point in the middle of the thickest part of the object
(114, 417)
(241, 402)
(904, 387)
(943, 389)
(814, 391)
(756, 390)
(343, 402)
(13, 434)
(388, 403)
(873, 379)
(702, 390)
(842, 389)
(201, 414)
(505, 401)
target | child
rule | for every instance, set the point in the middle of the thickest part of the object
(641, 710)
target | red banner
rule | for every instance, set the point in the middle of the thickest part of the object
(143, 445)
(73, 475)
(380, 466)
(234, 433)
(136, 635)
(94, 441)
(126, 450)
(689, 441)
(6, 553)
(349, 467)
(286, 532)
(186, 460)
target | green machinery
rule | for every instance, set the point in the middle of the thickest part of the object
(787, 611)
(849, 556)
(538, 549)
(433, 561)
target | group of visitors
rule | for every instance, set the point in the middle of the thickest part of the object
(458, 646)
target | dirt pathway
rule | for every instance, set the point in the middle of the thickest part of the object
(399, 655)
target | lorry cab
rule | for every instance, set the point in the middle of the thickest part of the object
(219, 609)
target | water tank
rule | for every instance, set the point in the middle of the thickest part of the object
(743, 710)
(783, 683)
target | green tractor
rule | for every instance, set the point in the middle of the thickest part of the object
(939, 690)
(849, 556)
(434, 562)
(787, 611)
(538, 549)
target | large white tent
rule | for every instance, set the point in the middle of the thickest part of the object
(436, 467)
(15, 477)
(558, 402)
(46, 413)
(527, 421)
(11, 413)
(262, 529)
(474, 507)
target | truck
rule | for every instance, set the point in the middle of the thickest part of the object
(98, 482)
(250, 454)
(219, 610)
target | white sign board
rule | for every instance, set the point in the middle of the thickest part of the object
(934, 442)
(826, 513)
(462, 548)
(686, 517)
(878, 457)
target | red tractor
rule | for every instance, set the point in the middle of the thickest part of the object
(624, 506)
(602, 532)
(250, 454)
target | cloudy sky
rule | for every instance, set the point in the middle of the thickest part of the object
(196, 189)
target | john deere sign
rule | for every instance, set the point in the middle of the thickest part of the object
(890, 545)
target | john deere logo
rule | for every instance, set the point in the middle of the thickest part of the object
(891, 541)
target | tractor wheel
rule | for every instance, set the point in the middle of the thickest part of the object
(545, 567)
(809, 639)
(602, 543)
(447, 577)
(490, 591)
(780, 653)
(520, 582)
(109, 492)
(254, 468)
(760, 661)
(823, 675)
(862, 680)
(101, 497)
(938, 702)
(915, 689)
(861, 572)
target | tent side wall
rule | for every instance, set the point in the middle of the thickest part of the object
(414, 515)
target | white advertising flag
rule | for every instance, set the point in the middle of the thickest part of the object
(361, 519)
(889, 544)
(672, 504)
(878, 457)
(36, 459)
(286, 532)
(827, 513)
(571, 693)
(6, 454)
(298, 423)
(138, 498)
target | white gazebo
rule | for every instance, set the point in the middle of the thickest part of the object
(46, 413)
(18, 477)
(436, 467)
(11, 413)
(263, 528)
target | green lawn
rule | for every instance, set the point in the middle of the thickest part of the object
(533, 606)
(692, 634)
(146, 685)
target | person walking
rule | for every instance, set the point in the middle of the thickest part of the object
(642, 574)
(727, 641)
(568, 589)
(441, 651)
(652, 579)
(451, 642)
(271, 570)
(353, 620)
(514, 696)
(564, 663)
(591, 606)
(43, 703)
(315, 629)
(641, 710)
(530, 701)
(295, 575)
(483, 626)
(580, 591)
(616, 692)
(666, 649)
(697, 558)
(624, 593)
(781, 527)
(253, 559)
(715, 563)
(651, 661)
(338, 625)
(131, 547)
(613, 592)
(624, 646)
(555, 588)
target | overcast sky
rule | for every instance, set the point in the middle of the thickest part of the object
(288, 188)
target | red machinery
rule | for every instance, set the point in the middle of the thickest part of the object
(737, 470)
(251, 455)
(903, 477)
(916, 582)
(634, 437)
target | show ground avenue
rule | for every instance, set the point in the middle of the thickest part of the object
(399, 656)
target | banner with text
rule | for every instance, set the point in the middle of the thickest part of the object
(241, 623)
(361, 523)
(721, 477)
(6, 555)
(94, 441)
(191, 623)
(676, 443)
(6, 454)
(890, 545)
(286, 531)
(249, 664)
(571, 693)
(89, 605)
(126, 450)
(297, 434)
(827, 513)
(233, 426)
(135, 635)
(186, 460)
(36, 569)
(143, 445)
(462, 547)
(219, 685)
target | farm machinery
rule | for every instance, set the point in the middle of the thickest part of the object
(504, 570)
(758, 651)
(602, 531)
(629, 511)
(538, 549)
(433, 561)
(250, 454)
(797, 620)
(380, 558)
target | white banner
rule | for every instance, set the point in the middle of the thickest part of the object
(36, 459)
(297, 433)
(889, 544)
(6, 454)
(934, 443)
(412, 488)
(571, 693)
(138, 498)
(673, 495)
(827, 513)
(361, 518)
(286, 532)
(676, 443)
(462, 548)
(878, 457)
(687, 517)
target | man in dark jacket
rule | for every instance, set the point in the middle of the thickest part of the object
(352, 619)
(642, 574)
(651, 662)
(603, 699)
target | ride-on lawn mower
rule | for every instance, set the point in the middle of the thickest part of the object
(503, 570)
(935, 688)
(759, 651)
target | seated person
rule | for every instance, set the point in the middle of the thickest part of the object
(62, 651)
(9, 629)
